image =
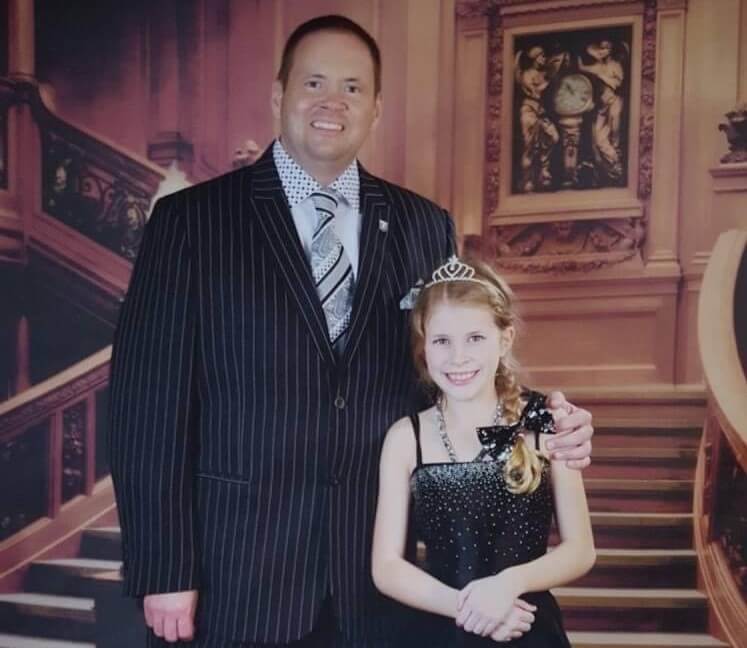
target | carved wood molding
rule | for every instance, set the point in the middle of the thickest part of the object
(565, 246)
(671, 5)
(473, 8)
(30, 413)
(496, 112)
(42, 537)
(728, 606)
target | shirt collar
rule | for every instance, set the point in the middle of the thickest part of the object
(299, 185)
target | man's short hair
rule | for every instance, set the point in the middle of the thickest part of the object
(333, 23)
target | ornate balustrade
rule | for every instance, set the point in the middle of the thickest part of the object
(721, 479)
(52, 449)
(71, 190)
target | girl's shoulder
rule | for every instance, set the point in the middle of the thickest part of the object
(400, 443)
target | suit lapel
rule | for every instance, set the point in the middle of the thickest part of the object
(376, 214)
(276, 221)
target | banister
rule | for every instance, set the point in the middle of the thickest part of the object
(717, 340)
(720, 480)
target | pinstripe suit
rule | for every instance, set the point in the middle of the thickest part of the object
(244, 453)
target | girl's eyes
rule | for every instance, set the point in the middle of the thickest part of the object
(353, 89)
(313, 84)
(476, 338)
(440, 341)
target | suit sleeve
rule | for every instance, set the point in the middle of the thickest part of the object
(153, 408)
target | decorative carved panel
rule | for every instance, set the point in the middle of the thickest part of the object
(92, 198)
(43, 406)
(564, 246)
(730, 515)
(596, 233)
(23, 479)
(74, 420)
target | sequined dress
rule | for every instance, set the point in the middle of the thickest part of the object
(473, 526)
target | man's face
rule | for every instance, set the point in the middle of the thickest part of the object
(329, 105)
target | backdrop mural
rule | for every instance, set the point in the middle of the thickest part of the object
(106, 106)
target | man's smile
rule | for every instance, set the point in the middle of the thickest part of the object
(319, 124)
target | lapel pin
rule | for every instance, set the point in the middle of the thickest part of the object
(383, 226)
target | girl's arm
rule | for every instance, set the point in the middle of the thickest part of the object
(392, 574)
(572, 558)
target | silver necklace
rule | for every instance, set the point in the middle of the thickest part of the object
(442, 427)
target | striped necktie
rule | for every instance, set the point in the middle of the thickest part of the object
(331, 269)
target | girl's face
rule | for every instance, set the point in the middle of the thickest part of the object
(463, 346)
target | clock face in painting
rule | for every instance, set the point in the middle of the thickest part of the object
(573, 95)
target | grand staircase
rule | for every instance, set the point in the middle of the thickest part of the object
(642, 591)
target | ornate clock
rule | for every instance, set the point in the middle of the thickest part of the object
(572, 97)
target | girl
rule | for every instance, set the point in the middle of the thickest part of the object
(482, 490)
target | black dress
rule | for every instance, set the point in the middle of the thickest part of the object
(473, 526)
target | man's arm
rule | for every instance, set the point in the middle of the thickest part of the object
(153, 407)
(574, 432)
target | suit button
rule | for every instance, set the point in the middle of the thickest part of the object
(334, 481)
(339, 402)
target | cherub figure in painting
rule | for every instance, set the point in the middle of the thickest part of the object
(607, 67)
(534, 73)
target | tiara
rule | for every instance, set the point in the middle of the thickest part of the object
(454, 270)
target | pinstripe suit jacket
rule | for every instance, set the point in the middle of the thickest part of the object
(244, 453)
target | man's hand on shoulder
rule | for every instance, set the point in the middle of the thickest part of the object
(171, 616)
(572, 441)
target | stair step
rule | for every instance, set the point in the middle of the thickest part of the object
(645, 609)
(640, 495)
(640, 530)
(648, 521)
(18, 641)
(76, 576)
(643, 639)
(601, 597)
(660, 437)
(81, 566)
(78, 607)
(105, 531)
(69, 618)
(642, 568)
(645, 557)
(643, 462)
(102, 543)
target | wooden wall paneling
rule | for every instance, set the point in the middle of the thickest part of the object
(421, 102)
(470, 87)
(714, 41)
(661, 244)
(742, 89)
(610, 331)
(447, 98)
(251, 72)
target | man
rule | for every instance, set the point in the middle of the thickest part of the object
(260, 357)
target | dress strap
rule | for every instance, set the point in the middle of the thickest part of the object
(415, 419)
(537, 441)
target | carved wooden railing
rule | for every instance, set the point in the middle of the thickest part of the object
(75, 196)
(72, 206)
(721, 479)
(52, 451)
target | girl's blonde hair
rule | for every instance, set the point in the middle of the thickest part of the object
(489, 290)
